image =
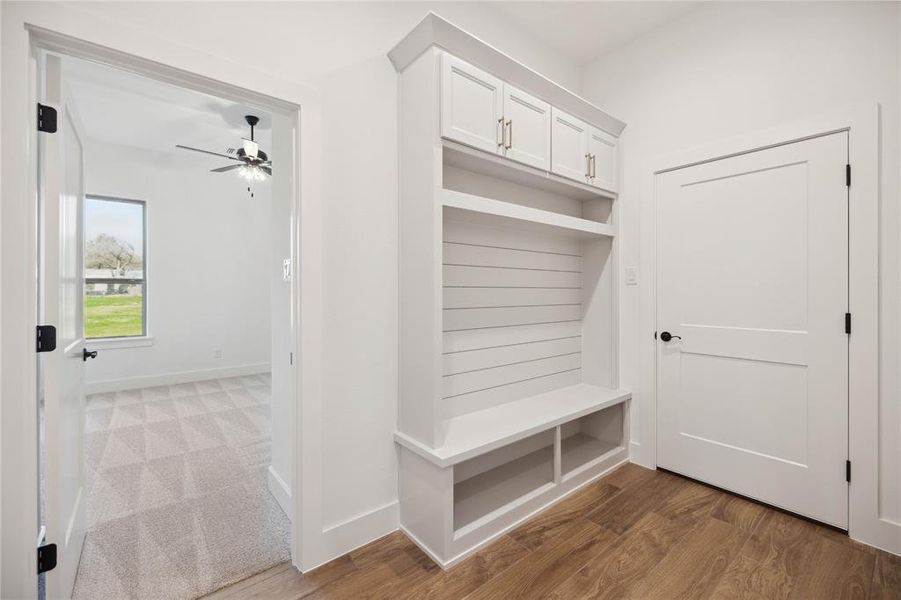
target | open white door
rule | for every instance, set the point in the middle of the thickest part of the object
(752, 360)
(62, 305)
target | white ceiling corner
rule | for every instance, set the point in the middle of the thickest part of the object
(583, 31)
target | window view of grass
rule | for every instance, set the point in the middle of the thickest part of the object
(114, 268)
(115, 315)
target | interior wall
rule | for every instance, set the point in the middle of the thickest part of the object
(360, 271)
(284, 356)
(207, 286)
(342, 48)
(731, 68)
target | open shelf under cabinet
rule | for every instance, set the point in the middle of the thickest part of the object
(499, 167)
(496, 212)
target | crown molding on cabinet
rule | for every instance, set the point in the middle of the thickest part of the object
(433, 30)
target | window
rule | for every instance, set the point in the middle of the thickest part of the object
(115, 288)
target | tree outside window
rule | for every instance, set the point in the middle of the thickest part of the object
(114, 268)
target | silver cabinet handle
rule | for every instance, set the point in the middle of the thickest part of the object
(594, 166)
(587, 166)
(510, 138)
(503, 131)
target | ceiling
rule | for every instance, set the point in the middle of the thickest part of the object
(122, 108)
(308, 40)
(582, 31)
(118, 107)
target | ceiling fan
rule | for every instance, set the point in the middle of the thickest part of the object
(253, 163)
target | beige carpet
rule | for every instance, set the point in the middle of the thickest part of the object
(177, 502)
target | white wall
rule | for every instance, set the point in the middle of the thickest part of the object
(281, 409)
(343, 46)
(307, 40)
(732, 68)
(360, 270)
(208, 247)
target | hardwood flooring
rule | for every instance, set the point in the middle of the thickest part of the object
(634, 534)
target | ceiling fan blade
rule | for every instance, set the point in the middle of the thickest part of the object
(267, 170)
(206, 152)
(226, 168)
(251, 148)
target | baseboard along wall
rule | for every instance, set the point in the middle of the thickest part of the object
(281, 491)
(130, 383)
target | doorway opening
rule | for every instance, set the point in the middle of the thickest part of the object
(165, 413)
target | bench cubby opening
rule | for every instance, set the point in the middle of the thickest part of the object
(589, 439)
(501, 479)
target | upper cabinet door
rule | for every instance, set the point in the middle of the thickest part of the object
(602, 170)
(527, 128)
(471, 105)
(569, 152)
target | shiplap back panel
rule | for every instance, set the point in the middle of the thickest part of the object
(511, 315)
(463, 180)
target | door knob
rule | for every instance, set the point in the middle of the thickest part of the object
(667, 336)
(86, 354)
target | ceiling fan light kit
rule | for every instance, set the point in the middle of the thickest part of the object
(254, 164)
(251, 173)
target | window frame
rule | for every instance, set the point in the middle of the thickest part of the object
(122, 340)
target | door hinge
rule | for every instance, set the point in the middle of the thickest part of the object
(46, 558)
(848, 323)
(848, 471)
(46, 118)
(46, 338)
(848, 175)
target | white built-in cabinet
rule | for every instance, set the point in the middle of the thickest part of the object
(527, 128)
(508, 377)
(570, 146)
(472, 106)
(583, 152)
(484, 112)
(602, 154)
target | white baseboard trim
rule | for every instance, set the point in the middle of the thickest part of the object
(639, 455)
(130, 383)
(422, 546)
(878, 533)
(346, 536)
(281, 491)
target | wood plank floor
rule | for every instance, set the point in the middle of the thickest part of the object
(634, 534)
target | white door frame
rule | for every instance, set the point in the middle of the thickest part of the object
(31, 26)
(862, 123)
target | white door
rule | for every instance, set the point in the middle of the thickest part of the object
(602, 148)
(569, 146)
(471, 105)
(527, 137)
(62, 305)
(753, 278)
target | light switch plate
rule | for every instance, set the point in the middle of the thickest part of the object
(631, 275)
